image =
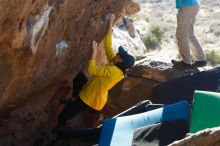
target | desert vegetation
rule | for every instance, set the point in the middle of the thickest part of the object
(156, 24)
(153, 39)
(213, 57)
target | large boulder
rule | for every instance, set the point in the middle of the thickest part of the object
(43, 45)
(132, 8)
(139, 84)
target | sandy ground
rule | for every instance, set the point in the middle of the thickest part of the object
(162, 13)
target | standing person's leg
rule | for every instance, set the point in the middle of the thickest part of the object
(183, 25)
(196, 48)
(72, 110)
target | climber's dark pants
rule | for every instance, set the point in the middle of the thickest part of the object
(78, 82)
(72, 110)
(77, 106)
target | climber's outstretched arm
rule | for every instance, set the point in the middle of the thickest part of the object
(94, 50)
(93, 69)
(111, 22)
(108, 39)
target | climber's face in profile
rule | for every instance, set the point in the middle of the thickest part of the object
(117, 59)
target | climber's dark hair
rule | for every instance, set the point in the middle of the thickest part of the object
(122, 68)
(128, 60)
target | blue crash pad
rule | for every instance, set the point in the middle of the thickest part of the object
(119, 131)
(140, 107)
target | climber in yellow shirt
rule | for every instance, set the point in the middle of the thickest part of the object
(94, 93)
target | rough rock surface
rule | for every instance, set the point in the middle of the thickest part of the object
(132, 8)
(207, 137)
(43, 43)
(138, 85)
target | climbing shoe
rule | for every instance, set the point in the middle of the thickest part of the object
(180, 64)
(199, 64)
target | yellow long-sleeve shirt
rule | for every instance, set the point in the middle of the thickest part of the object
(95, 91)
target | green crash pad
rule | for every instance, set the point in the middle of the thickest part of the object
(205, 111)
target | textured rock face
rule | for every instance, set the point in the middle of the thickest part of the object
(207, 137)
(43, 44)
(139, 84)
(128, 92)
(132, 8)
